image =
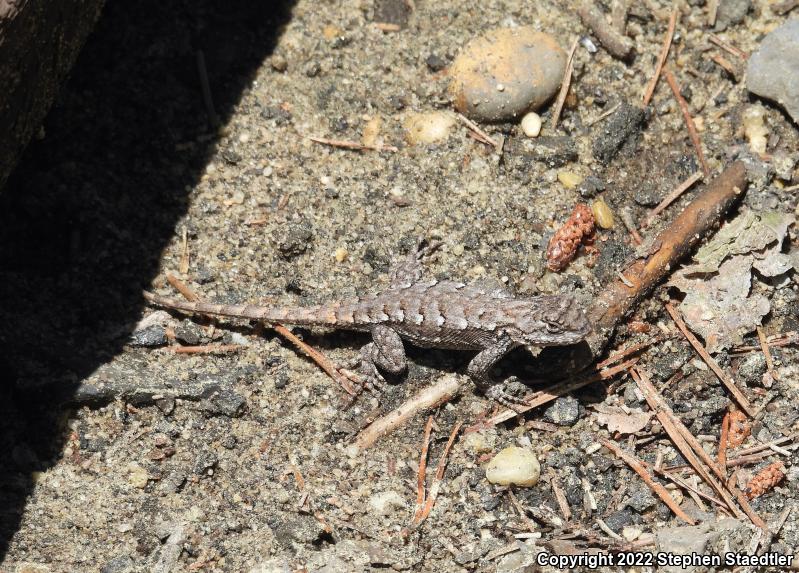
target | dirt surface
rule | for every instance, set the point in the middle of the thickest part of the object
(122, 455)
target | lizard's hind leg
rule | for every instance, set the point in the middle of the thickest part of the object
(387, 353)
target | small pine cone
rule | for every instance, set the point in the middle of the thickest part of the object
(765, 480)
(739, 428)
(564, 243)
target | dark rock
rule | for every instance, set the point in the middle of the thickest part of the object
(620, 519)
(435, 63)
(752, 368)
(224, 402)
(392, 12)
(641, 499)
(554, 151)
(204, 462)
(188, 332)
(564, 412)
(590, 186)
(296, 240)
(153, 335)
(620, 133)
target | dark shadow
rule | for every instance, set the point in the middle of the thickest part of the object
(88, 211)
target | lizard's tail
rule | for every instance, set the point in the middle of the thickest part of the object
(270, 315)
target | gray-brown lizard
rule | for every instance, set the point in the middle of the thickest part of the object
(430, 314)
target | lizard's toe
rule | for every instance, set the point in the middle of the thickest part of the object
(506, 394)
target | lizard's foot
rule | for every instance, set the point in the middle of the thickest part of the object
(509, 393)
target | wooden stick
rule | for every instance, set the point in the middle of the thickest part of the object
(766, 353)
(638, 468)
(671, 197)
(634, 349)
(351, 144)
(182, 288)
(206, 349)
(617, 300)
(618, 45)
(739, 397)
(727, 47)
(564, 84)
(671, 425)
(430, 397)
(321, 360)
(725, 64)
(712, 11)
(723, 441)
(689, 121)
(483, 136)
(664, 53)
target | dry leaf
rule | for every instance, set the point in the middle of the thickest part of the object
(617, 420)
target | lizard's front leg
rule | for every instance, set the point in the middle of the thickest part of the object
(386, 352)
(480, 367)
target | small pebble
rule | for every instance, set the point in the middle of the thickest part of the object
(754, 120)
(426, 128)
(505, 72)
(384, 502)
(531, 124)
(137, 475)
(371, 131)
(569, 179)
(341, 255)
(603, 215)
(514, 466)
(479, 442)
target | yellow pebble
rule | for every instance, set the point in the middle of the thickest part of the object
(602, 214)
(569, 179)
(341, 255)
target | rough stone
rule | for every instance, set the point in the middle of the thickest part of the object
(773, 70)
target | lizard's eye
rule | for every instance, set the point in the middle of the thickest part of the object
(553, 327)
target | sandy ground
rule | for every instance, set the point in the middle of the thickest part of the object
(125, 458)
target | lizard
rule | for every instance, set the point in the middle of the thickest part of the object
(427, 313)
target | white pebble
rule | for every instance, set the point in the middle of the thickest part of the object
(531, 124)
(514, 466)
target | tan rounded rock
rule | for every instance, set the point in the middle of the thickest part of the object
(514, 466)
(506, 72)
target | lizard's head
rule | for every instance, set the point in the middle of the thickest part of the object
(553, 321)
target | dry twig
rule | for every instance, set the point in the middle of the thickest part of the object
(206, 349)
(740, 399)
(689, 121)
(425, 503)
(617, 300)
(618, 45)
(639, 468)
(671, 197)
(429, 397)
(344, 144)
(766, 353)
(482, 136)
(564, 84)
(664, 53)
(727, 47)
